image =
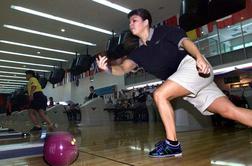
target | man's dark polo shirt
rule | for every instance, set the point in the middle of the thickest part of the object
(162, 55)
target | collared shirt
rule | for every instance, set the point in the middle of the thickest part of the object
(162, 54)
(149, 37)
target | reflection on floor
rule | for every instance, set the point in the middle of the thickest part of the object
(126, 143)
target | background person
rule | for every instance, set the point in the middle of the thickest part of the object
(92, 93)
(37, 100)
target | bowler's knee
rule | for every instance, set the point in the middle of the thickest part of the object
(227, 111)
(160, 96)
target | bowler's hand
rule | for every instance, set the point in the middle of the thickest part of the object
(203, 66)
(102, 62)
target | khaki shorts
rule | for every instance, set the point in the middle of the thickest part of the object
(204, 90)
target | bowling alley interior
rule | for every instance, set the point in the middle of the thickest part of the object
(60, 106)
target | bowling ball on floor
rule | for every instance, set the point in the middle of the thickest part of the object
(60, 149)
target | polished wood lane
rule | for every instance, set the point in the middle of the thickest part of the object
(126, 143)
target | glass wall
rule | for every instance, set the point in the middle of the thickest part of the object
(228, 39)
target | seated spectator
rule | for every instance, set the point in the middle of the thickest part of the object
(51, 102)
(92, 93)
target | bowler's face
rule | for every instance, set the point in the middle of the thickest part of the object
(136, 25)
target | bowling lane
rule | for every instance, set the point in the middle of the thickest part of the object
(128, 143)
(28, 138)
(83, 159)
(34, 161)
(13, 141)
(21, 150)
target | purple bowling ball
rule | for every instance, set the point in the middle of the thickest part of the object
(60, 149)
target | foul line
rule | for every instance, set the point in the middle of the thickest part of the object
(106, 158)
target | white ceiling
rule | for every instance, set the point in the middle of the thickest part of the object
(83, 11)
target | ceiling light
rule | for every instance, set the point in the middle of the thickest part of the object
(17, 86)
(6, 92)
(10, 86)
(49, 16)
(38, 52)
(62, 30)
(48, 35)
(1, 79)
(37, 47)
(32, 56)
(7, 88)
(113, 5)
(25, 63)
(13, 83)
(22, 68)
(8, 76)
(9, 72)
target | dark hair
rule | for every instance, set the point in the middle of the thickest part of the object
(31, 72)
(143, 13)
(91, 87)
